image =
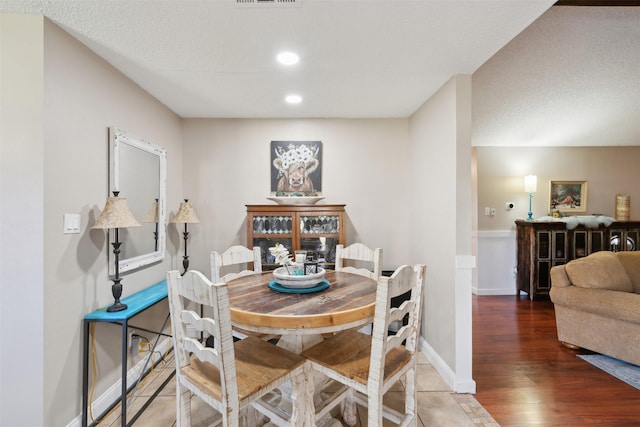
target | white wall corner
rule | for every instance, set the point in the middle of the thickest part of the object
(458, 386)
(465, 261)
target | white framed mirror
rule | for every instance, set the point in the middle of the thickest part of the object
(138, 171)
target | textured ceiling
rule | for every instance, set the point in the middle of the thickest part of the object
(359, 58)
(572, 78)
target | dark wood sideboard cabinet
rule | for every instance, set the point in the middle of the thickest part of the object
(542, 245)
(316, 228)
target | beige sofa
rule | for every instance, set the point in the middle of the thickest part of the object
(597, 303)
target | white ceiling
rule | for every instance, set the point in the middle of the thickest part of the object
(572, 78)
(359, 58)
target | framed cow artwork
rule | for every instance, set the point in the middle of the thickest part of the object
(296, 168)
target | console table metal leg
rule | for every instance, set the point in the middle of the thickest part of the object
(123, 397)
(85, 372)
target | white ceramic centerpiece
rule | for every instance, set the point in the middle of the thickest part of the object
(292, 274)
(289, 279)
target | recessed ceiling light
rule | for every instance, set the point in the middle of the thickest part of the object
(288, 58)
(293, 99)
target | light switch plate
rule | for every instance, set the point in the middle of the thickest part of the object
(71, 224)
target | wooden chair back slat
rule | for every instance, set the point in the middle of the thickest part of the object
(234, 257)
(359, 255)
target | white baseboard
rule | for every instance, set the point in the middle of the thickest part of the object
(112, 394)
(445, 371)
(498, 291)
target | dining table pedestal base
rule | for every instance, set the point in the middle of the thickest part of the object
(299, 343)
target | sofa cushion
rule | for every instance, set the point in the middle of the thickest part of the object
(622, 306)
(631, 263)
(600, 270)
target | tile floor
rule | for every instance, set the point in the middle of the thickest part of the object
(438, 406)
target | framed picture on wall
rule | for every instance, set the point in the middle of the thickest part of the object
(568, 196)
(296, 168)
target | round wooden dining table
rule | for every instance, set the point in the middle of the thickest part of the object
(301, 318)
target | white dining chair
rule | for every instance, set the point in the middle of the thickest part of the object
(236, 257)
(365, 261)
(368, 366)
(233, 378)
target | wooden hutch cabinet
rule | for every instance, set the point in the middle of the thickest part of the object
(542, 245)
(317, 228)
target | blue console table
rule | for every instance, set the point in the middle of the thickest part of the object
(136, 304)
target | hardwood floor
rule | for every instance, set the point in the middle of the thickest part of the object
(525, 377)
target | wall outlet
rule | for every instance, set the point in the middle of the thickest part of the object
(141, 347)
(134, 343)
(509, 205)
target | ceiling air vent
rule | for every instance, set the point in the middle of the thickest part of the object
(268, 2)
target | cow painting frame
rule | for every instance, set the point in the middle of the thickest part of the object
(296, 168)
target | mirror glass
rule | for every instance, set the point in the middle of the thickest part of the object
(138, 173)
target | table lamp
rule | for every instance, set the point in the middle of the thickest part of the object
(116, 215)
(530, 186)
(185, 215)
(152, 217)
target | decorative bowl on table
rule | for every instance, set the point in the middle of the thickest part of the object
(282, 277)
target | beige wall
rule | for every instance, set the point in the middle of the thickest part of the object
(501, 170)
(83, 97)
(227, 165)
(21, 215)
(56, 149)
(440, 164)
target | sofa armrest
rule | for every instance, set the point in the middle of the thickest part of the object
(559, 277)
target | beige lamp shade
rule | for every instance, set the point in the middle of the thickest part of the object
(116, 214)
(186, 214)
(152, 213)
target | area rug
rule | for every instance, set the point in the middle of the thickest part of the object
(623, 371)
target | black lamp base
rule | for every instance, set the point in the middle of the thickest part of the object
(117, 306)
(185, 258)
(185, 265)
(116, 290)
